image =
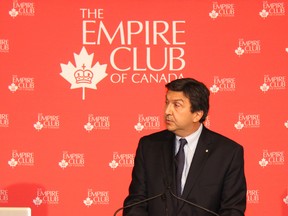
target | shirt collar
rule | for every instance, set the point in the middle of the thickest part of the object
(192, 138)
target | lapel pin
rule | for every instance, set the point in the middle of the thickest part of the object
(207, 150)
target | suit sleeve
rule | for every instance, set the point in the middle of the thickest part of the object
(138, 186)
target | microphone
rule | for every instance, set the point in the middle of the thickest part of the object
(167, 183)
(193, 204)
(138, 203)
(161, 194)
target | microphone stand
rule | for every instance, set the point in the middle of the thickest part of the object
(137, 203)
(159, 195)
(193, 204)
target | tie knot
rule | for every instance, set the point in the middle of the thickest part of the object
(182, 142)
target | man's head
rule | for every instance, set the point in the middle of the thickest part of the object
(187, 105)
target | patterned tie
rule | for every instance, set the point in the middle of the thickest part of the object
(180, 158)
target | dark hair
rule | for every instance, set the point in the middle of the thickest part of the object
(195, 91)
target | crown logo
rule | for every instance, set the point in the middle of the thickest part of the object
(83, 75)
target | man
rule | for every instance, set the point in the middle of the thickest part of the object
(213, 175)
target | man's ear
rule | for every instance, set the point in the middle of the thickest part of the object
(197, 115)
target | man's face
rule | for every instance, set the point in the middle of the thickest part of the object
(178, 116)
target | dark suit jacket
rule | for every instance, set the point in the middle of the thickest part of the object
(215, 181)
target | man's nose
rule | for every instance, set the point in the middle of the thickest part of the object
(168, 109)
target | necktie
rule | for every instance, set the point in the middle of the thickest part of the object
(180, 159)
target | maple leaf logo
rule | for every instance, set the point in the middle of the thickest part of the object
(83, 75)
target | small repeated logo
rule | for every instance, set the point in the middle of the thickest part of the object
(97, 123)
(222, 10)
(96, 198)
(47, 122)
(286, 124)
(272, 158)
(21, 159)
(247, 121)
(83, 75)
(272, 9)
(253, 196)
(46, 197)
(285, 200)
(22, 9)
(3, 196)
(4, 120)
(223, 84)
(72, 160)
(273, 83)
(147, 123)
(122, 160)
(4, 45)
(21, 84)
(248, 47)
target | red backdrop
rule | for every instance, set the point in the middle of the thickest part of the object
(82, 81)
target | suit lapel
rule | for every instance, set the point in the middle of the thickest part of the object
(199, 160)
(168, 149)
(168, 153)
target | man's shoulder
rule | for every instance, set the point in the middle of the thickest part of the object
(220, 139)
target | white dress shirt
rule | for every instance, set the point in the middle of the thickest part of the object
(189, 150)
